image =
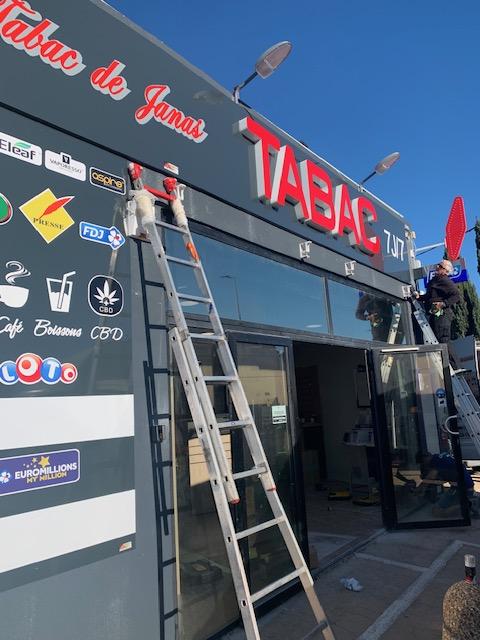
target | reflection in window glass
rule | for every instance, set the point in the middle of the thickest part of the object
(358, 314)
(425, 473)
(251, 288)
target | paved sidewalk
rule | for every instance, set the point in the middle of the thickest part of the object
(405, 575)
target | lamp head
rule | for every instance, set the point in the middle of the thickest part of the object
(272, 58)
(386, 163)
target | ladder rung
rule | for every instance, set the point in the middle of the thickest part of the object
(187, 263)
(260, 527)
(233, 424)
(254, 471)
(275, 585)
(189, 296)
(207, 336)
(219, 379)
(172, 227)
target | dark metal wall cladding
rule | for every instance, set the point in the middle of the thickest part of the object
(87, 593)
(219, 165)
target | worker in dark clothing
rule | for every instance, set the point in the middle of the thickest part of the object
(441, 295)
(379, 312)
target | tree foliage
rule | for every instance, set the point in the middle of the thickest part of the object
(466, 314)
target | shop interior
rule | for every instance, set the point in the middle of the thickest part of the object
(341, 480)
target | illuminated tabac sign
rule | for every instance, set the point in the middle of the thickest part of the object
(308, 187)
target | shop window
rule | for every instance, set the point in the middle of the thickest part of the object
(358, 314)
(253, 288)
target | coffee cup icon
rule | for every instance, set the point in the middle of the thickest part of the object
(13, 296)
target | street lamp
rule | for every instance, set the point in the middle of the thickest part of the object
(384, 165)
(235, 287)
(265, 65)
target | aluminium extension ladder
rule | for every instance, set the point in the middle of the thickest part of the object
(465, 402)
(207, 427)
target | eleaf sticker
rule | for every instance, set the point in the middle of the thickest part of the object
(107, 181)
(20, 149)
(110, 236)
(11, 294)
(64, 163)
(47, 214)
(38, 471)
(30, 369)
(6, 209)
(105, 296)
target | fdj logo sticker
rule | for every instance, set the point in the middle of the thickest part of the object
(105, 296)
(6, 210)
(47, 214)
(104, 235)
(107, 181)
(39, 470)
(30, 369)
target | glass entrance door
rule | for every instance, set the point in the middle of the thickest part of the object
(424, 480)
(265, 370)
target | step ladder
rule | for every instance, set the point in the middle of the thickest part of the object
(208, 429)
(465, 402)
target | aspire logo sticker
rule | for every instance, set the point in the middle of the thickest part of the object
(47, 214)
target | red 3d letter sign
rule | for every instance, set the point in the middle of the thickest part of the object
(36, 40)
(308, 187)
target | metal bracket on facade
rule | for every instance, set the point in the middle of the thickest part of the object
(304, 248)
(350, 267)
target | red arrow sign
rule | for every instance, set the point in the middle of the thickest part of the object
(455, 229)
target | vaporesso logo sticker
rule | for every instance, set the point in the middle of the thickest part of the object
(107, 181)
(47, 214)
(20, 149)
(11, 295)
(110, 236)
(39, 470)
(29, 368)
(105, 296)
(6, 209)
(64, 163)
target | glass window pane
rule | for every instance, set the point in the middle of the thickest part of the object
(358, 314)
(423, 468)
(207, 601)
(263, 371)
(252, 288)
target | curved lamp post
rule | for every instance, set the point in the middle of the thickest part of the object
(384, 165)
(266, 64)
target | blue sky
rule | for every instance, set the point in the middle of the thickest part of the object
(365, 78)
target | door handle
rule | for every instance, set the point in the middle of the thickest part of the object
(446, 427)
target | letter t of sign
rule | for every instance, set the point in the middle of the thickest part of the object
(265, 145)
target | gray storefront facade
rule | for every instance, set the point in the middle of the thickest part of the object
(106, 515)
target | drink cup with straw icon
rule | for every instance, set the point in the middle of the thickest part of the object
(60, 301)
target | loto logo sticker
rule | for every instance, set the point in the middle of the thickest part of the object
(30, 369)
(47, 214)
(107, 181)
(20, 149)
(39, 470)
(105, 296)
(64, 163)
(104, 235)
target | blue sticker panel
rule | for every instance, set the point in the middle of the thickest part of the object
(111, 236)
(39, 470)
